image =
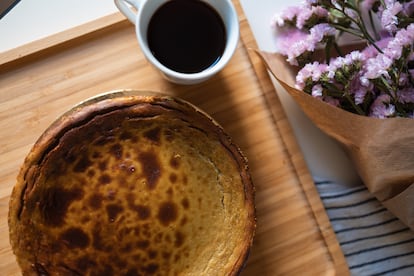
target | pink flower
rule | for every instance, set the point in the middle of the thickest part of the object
(317, 90)
(403, 38)
(380, 75)
(320, 31)
(339, 62)
(377, 67)
(359, 90)
(378, 64)
(360, 93)
(389, 19)
(310, 2)
(311, 71)
(297, 49)
(289, 37)
(303, 17)
(287, 15)
(382, 108)
(370, 51)
(307, 13)
(298, 15)
(406, 95)
(294, 43)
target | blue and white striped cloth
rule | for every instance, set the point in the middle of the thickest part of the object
(372, 239)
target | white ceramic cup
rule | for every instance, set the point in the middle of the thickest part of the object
(139, 12)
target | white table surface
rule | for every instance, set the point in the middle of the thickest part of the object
(30, 20)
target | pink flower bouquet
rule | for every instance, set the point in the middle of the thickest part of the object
(350, 66)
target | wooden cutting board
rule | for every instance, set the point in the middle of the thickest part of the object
(42, 80)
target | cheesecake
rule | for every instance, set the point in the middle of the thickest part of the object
(133, 183)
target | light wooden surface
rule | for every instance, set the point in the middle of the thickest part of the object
(42, 80)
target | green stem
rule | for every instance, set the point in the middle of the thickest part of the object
(407, 20)
(334, 90)
(347, 30)
(361, 25)
(354, 105)
(338, 49)
(388, 88)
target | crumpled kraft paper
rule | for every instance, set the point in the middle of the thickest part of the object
(381, 149)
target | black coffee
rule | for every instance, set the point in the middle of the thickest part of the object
(187, 36)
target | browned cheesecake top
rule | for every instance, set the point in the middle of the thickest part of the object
(127, 184)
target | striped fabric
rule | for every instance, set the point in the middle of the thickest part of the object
(374, 241)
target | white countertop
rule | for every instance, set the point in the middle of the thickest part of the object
(34, 19)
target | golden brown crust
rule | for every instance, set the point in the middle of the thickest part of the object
(132, 184)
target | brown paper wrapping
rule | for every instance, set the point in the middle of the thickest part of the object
(381, 149)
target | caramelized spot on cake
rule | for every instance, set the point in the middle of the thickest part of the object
(75, 238)
(82, 164)
(105, 271)
(96, 155)
(95, 201)
(91, 173)
(151, 168)
(105, 179)
(116, 150)
(102, 165)
(143, 211)
(127, 248)
(185, 203)
(69, 157)
(153, 134)
(179, 239)
(85, 219)
(166, 255)
(55, 204)
(168, 134)
(167, 213)
(150, 269)
(143, 244)
(175, 161)
(184, 221)
(112, 211)
(152, 254)
(173, 178)
(132, 272)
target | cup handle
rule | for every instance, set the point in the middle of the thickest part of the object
(127, 9)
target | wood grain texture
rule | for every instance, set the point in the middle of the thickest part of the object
(40, 81)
